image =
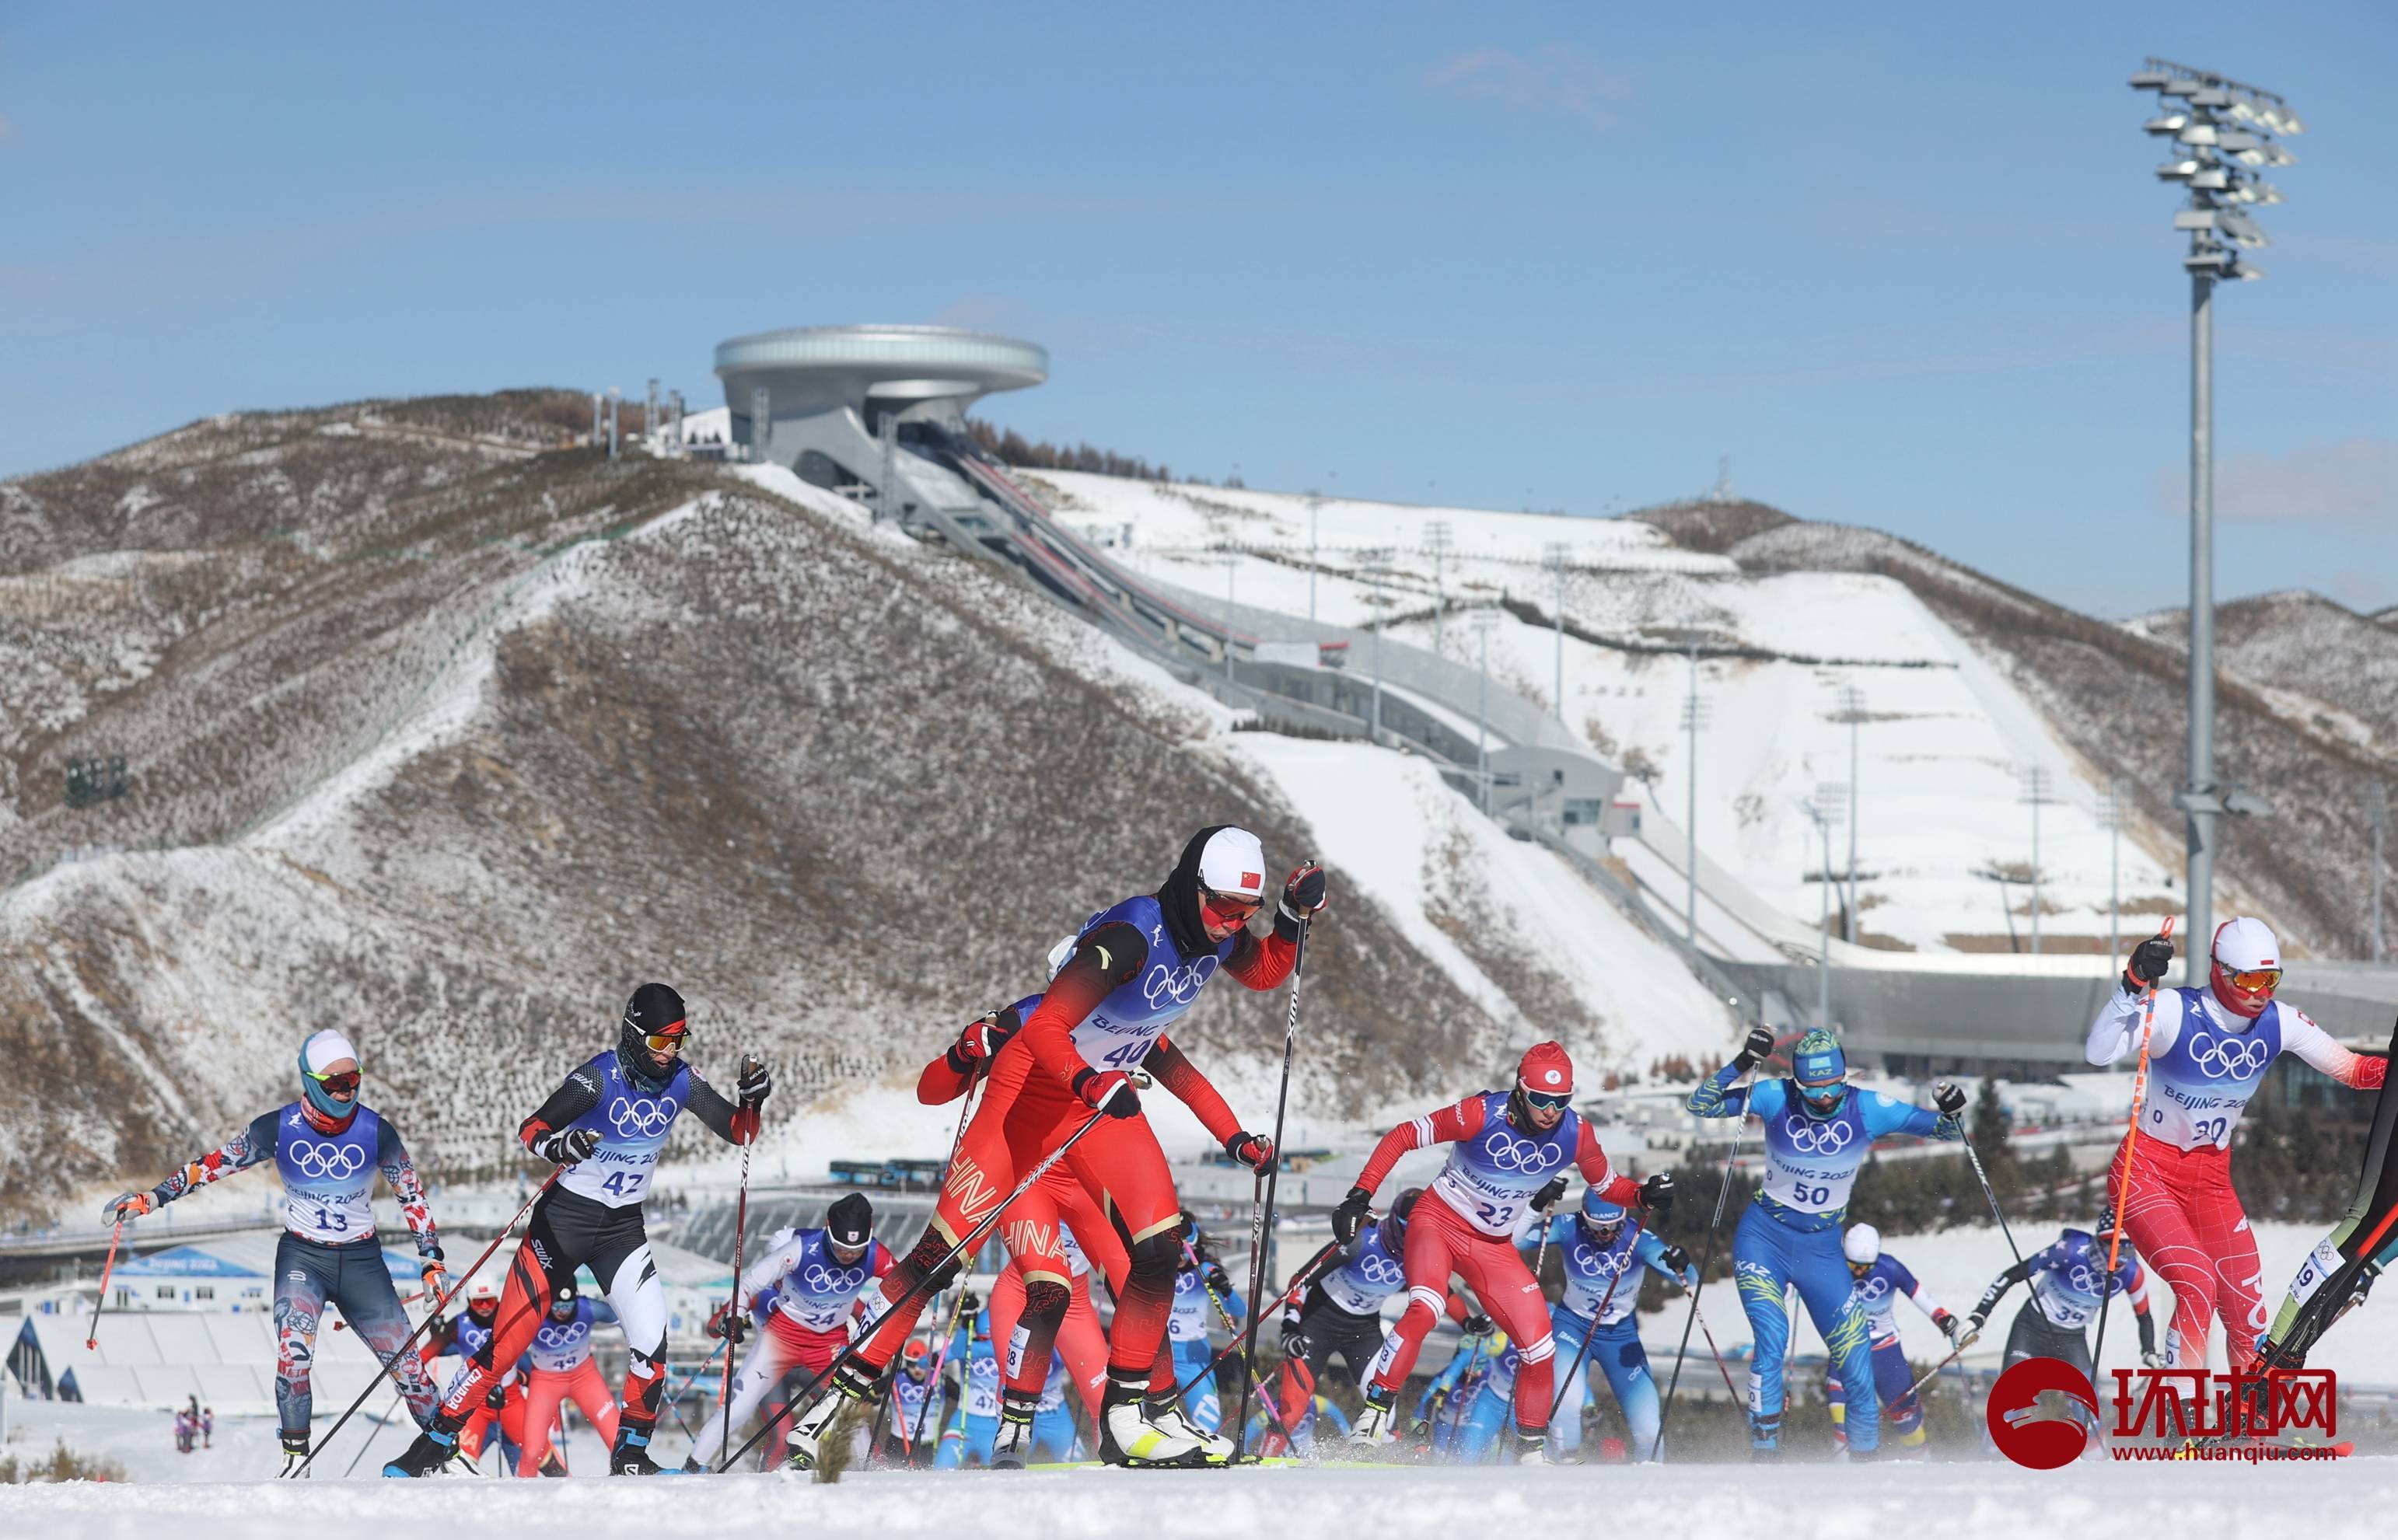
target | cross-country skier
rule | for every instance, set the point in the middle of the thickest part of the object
(2208, 1051)
(1600, 1253)
(912, 1433)
(2068, 1282)
(1450, 1397)
(1080, 1340)
(1133, 971)
(1201, 1289)
(501, 1415)
(1818, 1128)
(807, 1291)
(561, 1369)
(973, 1359)
(1512, 1150)
(1881, 1281)
(2340, 1270)
(605, 1129)
(327, 1147)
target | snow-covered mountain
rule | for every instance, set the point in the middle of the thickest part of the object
(450, 736)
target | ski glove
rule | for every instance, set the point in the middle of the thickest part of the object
(1475, 1326)
(1677, 1261)
(1109, 1091)
(496, 1398)
(2149, 961)
(1253, 1150)
(755, 1084)
(1350, 1217)
(127, 1205)
(1547, 1197)
(1218, 1279)
(1294, 1342)
(981, 1040)
(1946, 1322)
(436, 1277)
(2153, 1359)
(1757, 1050)
(1975, 1321)
(727, 1323)
(1657, 1195)
(568, 1146)
(1949, 1099)
(1302, 895)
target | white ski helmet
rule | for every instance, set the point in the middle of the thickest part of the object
(1234, 863)
(1862, 1245)
(2246, 965)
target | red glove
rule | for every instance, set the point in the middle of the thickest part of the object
(1108, 1091)
(1303, 895)
(1253, 1150)
(985, 1036)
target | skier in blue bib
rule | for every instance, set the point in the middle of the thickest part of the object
(1818, 1128)
(327, 1148)
(1601, 1253)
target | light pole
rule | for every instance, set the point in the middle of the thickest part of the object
(1232, 567)
(1314, 507)
(1557, 553)
(2220, 132)
(2113, 806)
(1853, 711)
(1484, 620)
(1438, 536)
(1834, 797)
(2035, 791)
(1694, 716)
(1373, 559)
(1823, 817)
(2378, 810)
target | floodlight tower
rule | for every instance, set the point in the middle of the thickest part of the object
(1441, 541)
(2220, 131)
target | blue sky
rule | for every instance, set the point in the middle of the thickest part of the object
(1907, 267)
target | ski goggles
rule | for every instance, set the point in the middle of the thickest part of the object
(668, 1041)
(343, 1083)
(1823, 1097)
(1228, 908)
(2256, 980)
(1546, 1101)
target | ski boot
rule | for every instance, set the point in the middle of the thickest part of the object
(1864, 1456)
(1532, 1447)
(553, 1463)
(851, 1383)
(1012, 1444)
(295, 1454)
(1374, 1431)
(1129, 1437)
(1165, 1413)
(432, 1450)
(691, 1465)
(631, 1455)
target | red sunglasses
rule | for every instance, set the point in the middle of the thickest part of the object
(1228, 908)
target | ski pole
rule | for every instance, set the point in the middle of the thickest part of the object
(405, 1301)
(1715, 1226)
(808, 1396)
(368, 1442)
(1954, 1354)
(958, 1304)
(2131, 1141)
(1299, 1281)
(1224, 1313)
(1261, 1218)
(750, 1064)
(1720, 1366)
(1631, 1260)
(100, 1303)
(408, 1343)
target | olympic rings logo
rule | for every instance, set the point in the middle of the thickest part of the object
(2080, 1279)
(557, 1337)
(1180, 984)
(1814, 1138)
(1523, 1155)
(2234, 1058)
(1597, 1263)
(1381, 1271)
(334, 1161)
(639, 1118)
(821, 1279)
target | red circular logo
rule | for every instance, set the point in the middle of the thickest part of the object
(2017, 1425)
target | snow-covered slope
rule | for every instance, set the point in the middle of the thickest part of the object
(1944, 749)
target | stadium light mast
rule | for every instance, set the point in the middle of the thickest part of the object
(1559, 556)
(1441, 541)
(2219, 131)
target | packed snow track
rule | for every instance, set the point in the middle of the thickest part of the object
(1963, 1502)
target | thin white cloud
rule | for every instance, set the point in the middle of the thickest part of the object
(2346, 478)
(1555, 79)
